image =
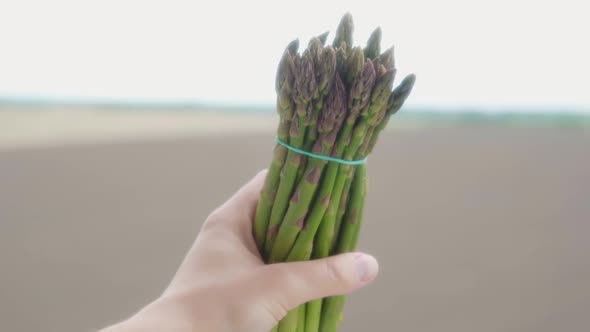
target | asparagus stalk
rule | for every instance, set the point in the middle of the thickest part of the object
(354, 66)
(284, 86)
(314, 49)
(290, 322)
(332, 118)
(344, 199)
(301, 318)
(323, 241)
(311, 207)
(332, 306)
(396, 101)
(348, 236)
(325, 65)
(295, 319)
(370, 117)
(371, 137)
(325, 236)
(304, 89)
(358, 99)
(354, 212)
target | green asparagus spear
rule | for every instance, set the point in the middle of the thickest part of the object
(325, 236)
(290, 322)
(354, 65)
(370, 116)
(353, 218)
(325, 77)
(301, 318)
(312, 207)
(358, 99)
(284, 86)
(295, 319)
(348, 236)
(325, 65)
(332, 306)
(305, 88)
(329, 125)
(344, 200)
(396, 100)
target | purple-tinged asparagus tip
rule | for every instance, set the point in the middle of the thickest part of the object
(335, 108)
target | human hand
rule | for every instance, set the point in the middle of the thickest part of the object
(223, 284)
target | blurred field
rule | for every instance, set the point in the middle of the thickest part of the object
(478, 226)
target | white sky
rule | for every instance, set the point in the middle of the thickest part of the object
(465, 53)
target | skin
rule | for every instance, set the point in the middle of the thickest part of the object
(223, 285)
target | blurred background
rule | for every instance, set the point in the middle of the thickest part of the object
(120, 122)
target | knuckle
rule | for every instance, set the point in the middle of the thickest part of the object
(214, 218)
(336, 274)
(262, 172)
(277, 310)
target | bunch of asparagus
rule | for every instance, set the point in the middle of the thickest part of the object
(333, 101)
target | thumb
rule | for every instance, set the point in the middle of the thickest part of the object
(287, 285)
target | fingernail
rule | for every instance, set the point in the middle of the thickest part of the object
(366, 267)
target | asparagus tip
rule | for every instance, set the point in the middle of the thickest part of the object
(373, 47)
(293, 46)
(324, 37)
(344, 32)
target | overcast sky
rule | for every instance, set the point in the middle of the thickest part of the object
(465, 53)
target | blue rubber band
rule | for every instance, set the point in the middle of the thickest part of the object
(320, 156)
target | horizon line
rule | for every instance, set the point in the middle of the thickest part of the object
(185, 104)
